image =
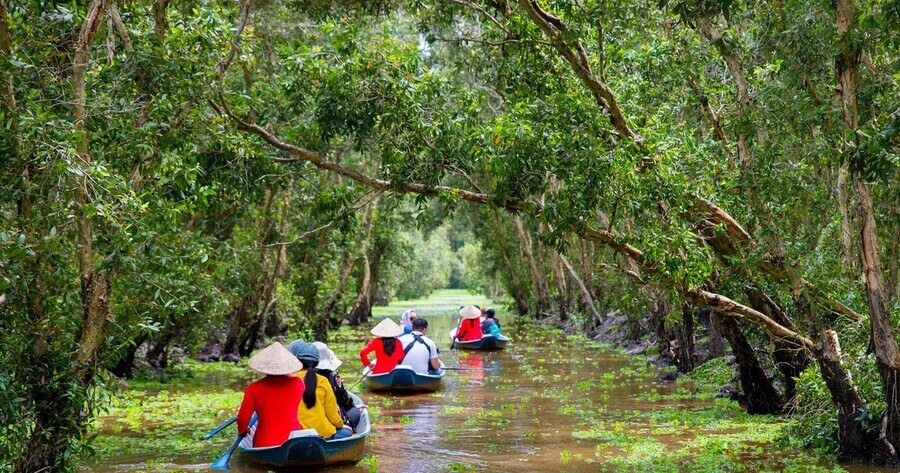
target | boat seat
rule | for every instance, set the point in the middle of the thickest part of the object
(303, 433)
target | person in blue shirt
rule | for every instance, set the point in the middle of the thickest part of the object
(490, 324)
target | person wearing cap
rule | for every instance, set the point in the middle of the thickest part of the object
(470, 325)
(275, 398)
(419, 351)
(319, 408)
(490, 324)
(327, 367)
(388, 350)
(406, 320)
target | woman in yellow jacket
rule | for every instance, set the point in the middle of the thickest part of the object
(319, 409)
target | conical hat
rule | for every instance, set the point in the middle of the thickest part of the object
(387, 328)
(327, 359)
(275, 359)
(470, 312)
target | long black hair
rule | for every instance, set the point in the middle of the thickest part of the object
(309, 394)
(389, 345)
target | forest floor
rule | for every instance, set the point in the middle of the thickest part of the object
(550, 402)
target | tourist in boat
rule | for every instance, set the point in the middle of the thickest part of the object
(419, 351)
(318, 409)
(406, 320)
(470, 325)
(490, 324)
(327, 367)
(275, 398)
(388, 350)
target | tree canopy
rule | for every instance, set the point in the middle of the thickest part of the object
(213, 173)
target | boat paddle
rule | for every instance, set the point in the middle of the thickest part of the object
(212, 433)
(453, 368)
(365, 373)
(453, 338)
(221, 463)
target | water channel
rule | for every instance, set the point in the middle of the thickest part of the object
(549, 402)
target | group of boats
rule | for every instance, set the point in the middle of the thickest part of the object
(306, 450)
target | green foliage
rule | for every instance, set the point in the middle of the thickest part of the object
(715, 373)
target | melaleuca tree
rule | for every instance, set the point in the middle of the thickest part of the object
(620, 138)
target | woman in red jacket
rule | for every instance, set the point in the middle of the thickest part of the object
(470, 325)
(388, 350)
(275, 398)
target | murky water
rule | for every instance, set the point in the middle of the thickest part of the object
(517, 410)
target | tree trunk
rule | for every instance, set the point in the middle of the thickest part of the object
(853, 442)
(887, 357)
(124, 367)
(539, 288)
(760, 395)
(585, 292)
(160, 22)
(843, 196)
(684, 351)
(347, 261)
(789, 360)
(659, 309)
(563, 295)
(57, 412)
(716, 346)
(248, 318)
(362, 309)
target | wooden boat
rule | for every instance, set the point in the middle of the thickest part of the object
(487, 342)
(404, 378)
(305, 450)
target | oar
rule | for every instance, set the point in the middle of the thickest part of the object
(453, 338)
(221, 463)
(453, 368)
(366, 371)
(212, 433)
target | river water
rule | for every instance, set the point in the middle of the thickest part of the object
(547, 403)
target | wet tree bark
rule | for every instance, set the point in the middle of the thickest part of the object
(760, 394)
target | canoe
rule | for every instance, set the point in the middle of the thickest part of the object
(404, 378)
(487, 342)
(305, 450)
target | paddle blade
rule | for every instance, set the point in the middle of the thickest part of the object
(221, 463)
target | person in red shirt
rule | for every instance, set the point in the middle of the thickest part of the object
(388, 350)
(275, 398)
(470, 325)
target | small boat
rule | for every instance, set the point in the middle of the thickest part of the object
(404, 378)
(305, 450)
(487, 342)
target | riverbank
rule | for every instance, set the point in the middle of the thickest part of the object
(550, 401)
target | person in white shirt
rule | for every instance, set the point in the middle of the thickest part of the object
(420, 351)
